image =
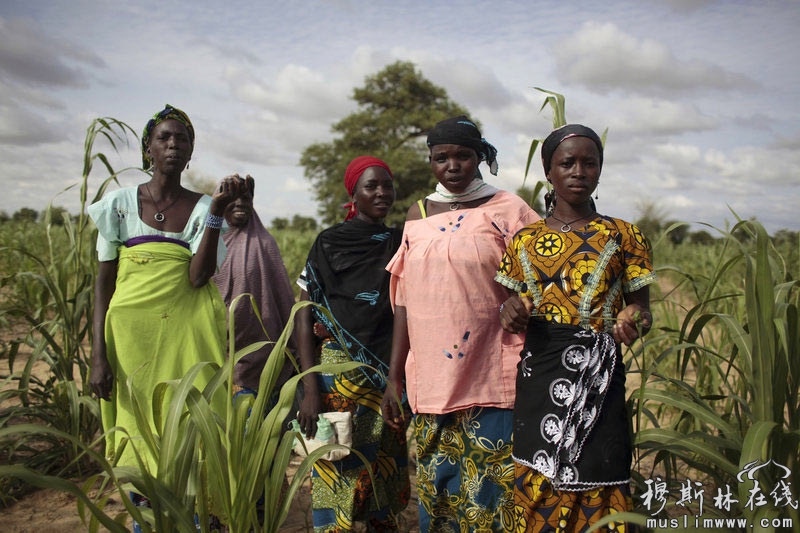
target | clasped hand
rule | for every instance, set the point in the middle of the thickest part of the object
(515, 312)
(629, 323)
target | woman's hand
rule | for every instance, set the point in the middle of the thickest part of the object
(515, 312)
(309, 411)
(321, 331)
(393, 416)
(102, 378)
(630, 321)
(226, 193)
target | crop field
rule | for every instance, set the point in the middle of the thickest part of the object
(713, 390)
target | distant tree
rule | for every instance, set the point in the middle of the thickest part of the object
(677, 234)
(396, 109)
(301, 223)
(4, 217)
(279, 223)
(651, 218)
(58, 215)
(784, 236)
(25, 214)
(195, 182)
(701, 237)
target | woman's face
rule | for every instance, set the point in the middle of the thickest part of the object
(238, 212)
(374, 195)
(455, 166)
(170, 147)
(575, 170)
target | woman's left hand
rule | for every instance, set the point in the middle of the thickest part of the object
(226, 193)
(321, 331)
(630, 322)
(514, 313)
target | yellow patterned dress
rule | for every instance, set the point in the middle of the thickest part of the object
(572, 445)
(345, 273)
(343, 492)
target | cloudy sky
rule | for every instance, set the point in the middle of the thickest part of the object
(701, 98)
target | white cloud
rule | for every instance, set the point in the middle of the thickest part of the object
(655, 117)
(682, 202)
(295, 185)
(758, 166)
(263, 83)
(693, 184)
(603, 58)
(688, 5)
(276, 117)
(295, 91)
(468, 83)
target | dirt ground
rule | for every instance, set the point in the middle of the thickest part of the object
(53, 511)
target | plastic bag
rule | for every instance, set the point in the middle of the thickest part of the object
(332, 428)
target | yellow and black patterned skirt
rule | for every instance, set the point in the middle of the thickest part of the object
(539, 508)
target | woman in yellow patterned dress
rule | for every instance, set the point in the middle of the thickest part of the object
(580, 282)
(346, 274)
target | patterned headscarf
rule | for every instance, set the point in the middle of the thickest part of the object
(354, 170)
(166, 113)
(563, 133)
(462, 131)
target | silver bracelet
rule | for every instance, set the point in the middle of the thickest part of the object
(213, 221)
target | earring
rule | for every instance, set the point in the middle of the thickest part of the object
(596, 194)
(550, 202)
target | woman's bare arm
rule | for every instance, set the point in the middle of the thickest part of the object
(101, 379)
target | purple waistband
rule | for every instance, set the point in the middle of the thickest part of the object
(155, 238)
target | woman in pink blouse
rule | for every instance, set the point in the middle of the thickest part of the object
(449, 353)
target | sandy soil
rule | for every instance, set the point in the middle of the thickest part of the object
(57, 512)
(46, 511)
(51, 511)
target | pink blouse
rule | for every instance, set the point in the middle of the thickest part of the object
(443, 274)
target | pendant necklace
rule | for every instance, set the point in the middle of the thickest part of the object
(159, 216)
(453, 206)
(567, 227)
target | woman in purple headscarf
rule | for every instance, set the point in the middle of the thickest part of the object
(253, 265)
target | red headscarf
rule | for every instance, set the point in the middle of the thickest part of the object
(354, 170)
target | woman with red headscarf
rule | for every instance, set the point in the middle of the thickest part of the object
(346, 274)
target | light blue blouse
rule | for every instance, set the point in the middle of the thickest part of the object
(116, 216)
